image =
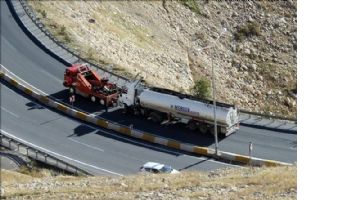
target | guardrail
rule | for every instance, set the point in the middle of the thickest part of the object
(130, 131)
(29, 12)
(39, 155)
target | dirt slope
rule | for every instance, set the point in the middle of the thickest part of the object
(255, 60)
(258, 183)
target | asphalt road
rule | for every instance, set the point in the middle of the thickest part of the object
(28, 61)
(98, 151)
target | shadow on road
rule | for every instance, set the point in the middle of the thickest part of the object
(194, 164)
(82, 130)
(172, 131)
(33, 106)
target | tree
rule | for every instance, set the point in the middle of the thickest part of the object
(202, 88)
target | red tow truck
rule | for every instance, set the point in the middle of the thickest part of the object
(80, 79)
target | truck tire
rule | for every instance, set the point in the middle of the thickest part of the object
(192, 125)
(156, 117)
(144, 112)
(71, 90)
(203, 128)
(211, 130)
(124, 110)
(93, 98)
(102, 102)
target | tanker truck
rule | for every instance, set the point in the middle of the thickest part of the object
(167, 106)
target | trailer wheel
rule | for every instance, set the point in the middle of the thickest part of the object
(211, 130)
(192, 125)
(93, 99)
(156, 118)
(203, 128)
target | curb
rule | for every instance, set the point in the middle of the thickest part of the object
(129, 131)
(35, 30)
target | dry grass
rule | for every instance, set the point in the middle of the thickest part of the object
(11, 177)
(34, 172)
(244, 183)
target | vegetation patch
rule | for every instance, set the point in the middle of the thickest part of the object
(241, 183)
(202, 88)
(249, 30)
(192, 5)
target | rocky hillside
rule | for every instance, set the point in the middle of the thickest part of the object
(255, 59)
(244, 183)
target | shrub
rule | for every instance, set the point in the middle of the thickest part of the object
(67, 38)
(192, 5)
(43, 13)
(62, 30)
(202, 88)
(249, 30)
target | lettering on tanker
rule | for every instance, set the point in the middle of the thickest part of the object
(184, 109)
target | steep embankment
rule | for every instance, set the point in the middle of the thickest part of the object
(245, 183)
(255, 60)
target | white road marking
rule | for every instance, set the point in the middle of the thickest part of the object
(57, 154)
(11, 113)
(38, 90)
(151, 146)
(87, 145)
(43, 93)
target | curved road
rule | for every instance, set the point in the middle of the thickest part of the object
(98, 151)
(28, 61)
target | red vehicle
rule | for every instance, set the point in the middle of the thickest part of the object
(80, 79)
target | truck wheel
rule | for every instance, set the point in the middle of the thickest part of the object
(102, 102)
(203, 128)
(124, 109)
(156, 118)
(71, 90)
(192, 125)
(211, 130)
(93, 99)
(144, 112)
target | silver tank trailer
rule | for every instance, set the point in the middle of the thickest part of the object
(173, 104)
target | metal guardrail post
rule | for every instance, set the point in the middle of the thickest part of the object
(9, 141)
(68, 167)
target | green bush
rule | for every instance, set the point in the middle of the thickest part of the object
(43, 13)
(67, 38)
(192, 5)
(249, 30)
(62, 30)
(202, 88)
